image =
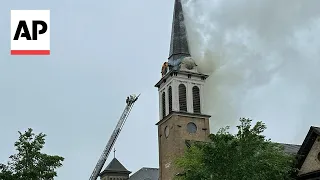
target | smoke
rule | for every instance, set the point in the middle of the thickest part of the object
(263, 58)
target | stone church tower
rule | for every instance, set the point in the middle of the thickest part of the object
(181, 100)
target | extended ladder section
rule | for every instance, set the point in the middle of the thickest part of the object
(130, 102)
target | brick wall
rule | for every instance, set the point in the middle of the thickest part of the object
(174, 146)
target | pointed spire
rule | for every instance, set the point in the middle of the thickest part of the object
(179, 42)
(114, 167)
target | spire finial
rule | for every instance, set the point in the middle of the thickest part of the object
(114, 151)
(179, 42)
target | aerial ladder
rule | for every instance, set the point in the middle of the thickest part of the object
(130, 102)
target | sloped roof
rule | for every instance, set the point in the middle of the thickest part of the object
(307, 144)
(291, 148)
(179, 42)
(310, 176)
(115, 167)
(317, 129)
(146, 174)
(288, 148)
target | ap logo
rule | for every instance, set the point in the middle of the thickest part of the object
(30, 32)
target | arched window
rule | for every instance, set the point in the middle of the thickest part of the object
(170, 99)
(163, 104)
(183, 97)
(196, 99)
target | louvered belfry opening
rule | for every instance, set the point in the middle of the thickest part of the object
(196, 99)
(163, 104)
(183, 97)
(170, 99)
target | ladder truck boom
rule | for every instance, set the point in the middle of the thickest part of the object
(130, 102)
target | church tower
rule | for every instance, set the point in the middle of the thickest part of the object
(115, 171)
(180, 100)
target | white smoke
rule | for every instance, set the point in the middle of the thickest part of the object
(263, 58)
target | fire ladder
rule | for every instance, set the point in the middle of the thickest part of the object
(130, 102)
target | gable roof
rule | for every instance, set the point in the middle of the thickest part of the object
(307, 144)
(146, 174)
(115, 167)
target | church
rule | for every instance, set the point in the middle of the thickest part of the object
(182, 120)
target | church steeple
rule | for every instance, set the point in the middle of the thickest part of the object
(115, 170)
(181, 100)
(179, 42)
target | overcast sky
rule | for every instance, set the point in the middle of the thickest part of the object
(102, 51)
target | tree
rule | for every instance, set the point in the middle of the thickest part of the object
(29, 163)
(245, 155)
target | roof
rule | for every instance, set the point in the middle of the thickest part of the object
(288, 148)
(179, 42)
(307, 144)
(146, 174)
(310, 176)
(291, 148)
(317, 129)
(115, 167)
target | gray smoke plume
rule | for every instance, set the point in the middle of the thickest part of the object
(263, 58)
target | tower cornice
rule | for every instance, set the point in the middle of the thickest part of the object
(185, 114)
(172, 72)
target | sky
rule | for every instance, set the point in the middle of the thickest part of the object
(263, 61)
(103, 51)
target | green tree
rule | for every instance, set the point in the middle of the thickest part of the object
(245, 155)
(29, 163)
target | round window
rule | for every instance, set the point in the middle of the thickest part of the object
(191, 127)
(166, 131)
